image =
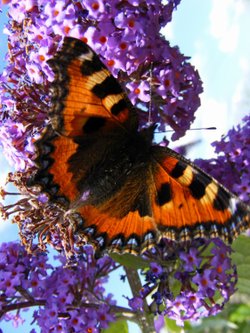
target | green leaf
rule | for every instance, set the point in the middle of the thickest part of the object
(130, 261)
(241, 257)
(243, 328)
(120, 326)
(212, 324)
(241, 313)
(172, 327)
(241, 245)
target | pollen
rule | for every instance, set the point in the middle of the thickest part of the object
(34, 283)
(219, 269)
(55, 13)
(204, 282)
(95, 6)
(85, 40)
(66, 30)
(103, 39)
(167, 83)
(89, 330)
(131, 23)
(123, 46)
(75, 321)
(177, 75)
(41, 57)
(111, 63)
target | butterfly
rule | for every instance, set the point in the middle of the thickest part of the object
(126, 192)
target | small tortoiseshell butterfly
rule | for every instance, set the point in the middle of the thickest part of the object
(126, 192)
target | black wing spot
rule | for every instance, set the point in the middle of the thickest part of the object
(92, 66)
(222, 199)
(198, 185)
(107, 87)
(178, 170)
(119, 107)
(164, 194)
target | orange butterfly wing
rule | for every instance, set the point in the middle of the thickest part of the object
(86, 101)
(84, 88)
(190, 204)
(124, 192)
(183, 203)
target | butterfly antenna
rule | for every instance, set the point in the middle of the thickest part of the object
(192, 129)
(150, 93)
(202, 128)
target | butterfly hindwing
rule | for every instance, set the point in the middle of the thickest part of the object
(189, 203)
(183, 203)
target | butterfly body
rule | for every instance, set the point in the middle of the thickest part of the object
(110, 164)
(126, 192)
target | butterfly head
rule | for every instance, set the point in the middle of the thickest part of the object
(148, 132)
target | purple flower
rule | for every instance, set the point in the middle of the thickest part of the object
(136, 303)
(95, 8)
(24, 278)
(159, 323)
(139, 91)
(191, 259)
(207, 281)
(231, 168)
(7, 284)
(156, 269)
(123, 33)
(104, 317)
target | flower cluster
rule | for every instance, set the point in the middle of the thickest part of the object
(203, 281)
(65, 299)
(231, 167)
(125, 33)
(73, 298)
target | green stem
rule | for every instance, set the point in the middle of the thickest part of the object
(145, 319)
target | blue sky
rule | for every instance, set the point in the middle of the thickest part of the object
(215, 34)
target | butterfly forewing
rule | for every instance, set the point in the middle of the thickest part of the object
(84, 89)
